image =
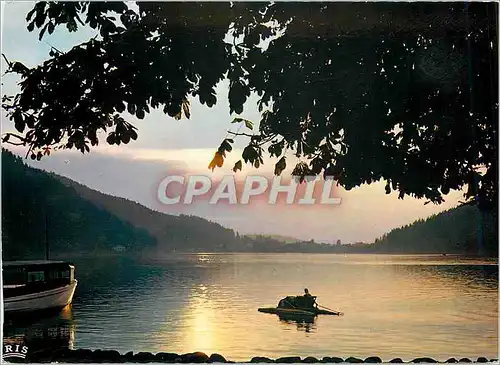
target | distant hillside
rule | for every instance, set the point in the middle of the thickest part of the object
(460, 230)
(82, 220)
(74, 225)
(276, 237)
(190, 233)
(180, 233)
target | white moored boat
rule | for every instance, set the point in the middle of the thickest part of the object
(30, 286)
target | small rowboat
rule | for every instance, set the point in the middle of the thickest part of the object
(300, 306)
(300, 312)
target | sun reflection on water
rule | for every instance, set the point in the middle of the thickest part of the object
(202, 334)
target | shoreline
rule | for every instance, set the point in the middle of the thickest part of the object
(188, 253)
(113, 356)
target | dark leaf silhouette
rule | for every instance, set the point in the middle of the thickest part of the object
(410, 99)
(237, 166)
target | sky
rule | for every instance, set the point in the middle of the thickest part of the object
(168, 147)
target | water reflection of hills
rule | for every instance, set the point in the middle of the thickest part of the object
(463, 276)
(51, 331)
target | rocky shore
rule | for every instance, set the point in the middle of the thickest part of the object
(111, 356)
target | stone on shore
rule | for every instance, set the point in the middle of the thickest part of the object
(144, 357)
(310, 360)
(353, 360)
(64, 355)
(332, 360)
(216, 358)
(373, 360)
(129, 356)
(288, 360)
(194, 357)
(426, 360)
(261, 359)
(167, 357)
(397, 360)
(100, 356)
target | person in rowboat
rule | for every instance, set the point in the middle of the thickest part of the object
(310, 298)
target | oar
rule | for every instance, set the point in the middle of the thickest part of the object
(331, 310)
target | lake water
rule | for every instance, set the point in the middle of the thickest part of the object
(394, 306)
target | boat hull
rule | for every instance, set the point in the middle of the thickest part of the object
(299, 312)
(48, 299)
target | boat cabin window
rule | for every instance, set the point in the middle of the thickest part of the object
(59, 275)
(36, 276)
(66, 274)
(53, 275)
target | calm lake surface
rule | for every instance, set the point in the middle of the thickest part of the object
(394, 306)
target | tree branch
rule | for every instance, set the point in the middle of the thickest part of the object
(241, 134)
(16, 136)
(6, 60)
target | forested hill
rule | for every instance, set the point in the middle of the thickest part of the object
(460, 230)
(83, 220)
(35, 202)
(180, 233)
